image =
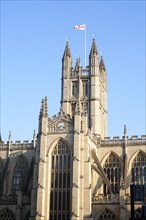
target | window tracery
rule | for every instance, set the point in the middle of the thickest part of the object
(108, 215)
(20, 174)
(112, 168)
(6, 214)
(138, 171)
(60, 182)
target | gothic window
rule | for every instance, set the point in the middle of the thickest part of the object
(60, 182)
(20, 174)
(75, 88)
(85, 88)
(138, 171)
(108, 215)
(6, 214)
(112, 169)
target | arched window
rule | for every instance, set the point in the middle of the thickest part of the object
(6, 214)
(60, 182)
(20, 174)
(138, 170)
(108, 215)
(112, 168)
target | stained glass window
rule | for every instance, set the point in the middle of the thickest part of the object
(138, 171)
(20, 174)
(60, 182)
(112, 168)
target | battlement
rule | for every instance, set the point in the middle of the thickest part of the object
(17, 145)
(84, 71)
(129, 140)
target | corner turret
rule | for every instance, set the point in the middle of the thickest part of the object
(102, 65)
(43, 117)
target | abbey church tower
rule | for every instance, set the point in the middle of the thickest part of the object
(88, 86)
(72, 170)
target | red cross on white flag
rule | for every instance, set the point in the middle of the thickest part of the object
(80, 27)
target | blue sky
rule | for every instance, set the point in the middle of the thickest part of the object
(33, 36)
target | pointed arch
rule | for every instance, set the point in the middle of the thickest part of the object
(107, 214)
(108, 155)
(60, 188)
(112, 167)
(53, 144)
(7, 214)
(133, 156)
(20, 173)
(138, 168)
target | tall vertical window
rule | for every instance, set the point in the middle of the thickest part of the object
(138, 171)
(60, 182)
(112, 168)
(75, 88)
(20, 174)
(85, 88)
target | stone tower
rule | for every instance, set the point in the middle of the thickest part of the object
(87, 85)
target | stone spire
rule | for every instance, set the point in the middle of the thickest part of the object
(67, 52)
(102, 65)
(93, 50)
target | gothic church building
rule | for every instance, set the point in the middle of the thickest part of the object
(72, 170)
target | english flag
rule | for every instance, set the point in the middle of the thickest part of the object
(80, 27)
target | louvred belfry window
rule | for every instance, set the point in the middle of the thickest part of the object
(60, 182)
(20, 174)
(112, 168)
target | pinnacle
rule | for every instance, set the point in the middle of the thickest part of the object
(44, 108)
(102, 65)
(67, 50)
(94, 48)
(77, 62)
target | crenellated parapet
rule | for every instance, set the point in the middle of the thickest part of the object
(133, 140)
(17, 145)
(83, 72)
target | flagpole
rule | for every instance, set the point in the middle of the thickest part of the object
(85, 46)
